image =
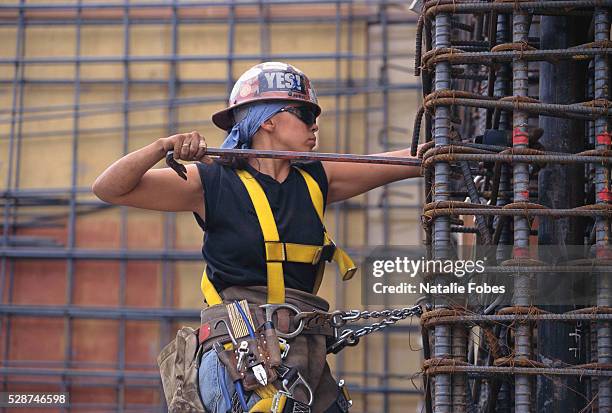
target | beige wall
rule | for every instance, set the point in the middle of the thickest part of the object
(46, 161)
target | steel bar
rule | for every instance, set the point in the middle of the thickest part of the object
(112, 107)
(433, 7)
(522, 287)
(602, 189)
(576, 53)
(513, 318)
(522, 371)
(191, 4)
(305, 156)
(518, 158)
(583, 110)
(8, 267)
(189, 58)
(520, 212)
(117, 313)
(444, 390)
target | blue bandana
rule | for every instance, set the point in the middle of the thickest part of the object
(241, 135)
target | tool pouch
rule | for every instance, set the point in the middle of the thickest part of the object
(178, 364)
(264, 350)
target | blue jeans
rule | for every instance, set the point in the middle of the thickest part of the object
(211, 382)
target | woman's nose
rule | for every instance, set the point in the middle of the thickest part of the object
(314, 127)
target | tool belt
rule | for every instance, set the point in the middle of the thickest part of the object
(296, 373)
(215, 319)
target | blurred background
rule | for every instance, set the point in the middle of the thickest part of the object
(91, 292)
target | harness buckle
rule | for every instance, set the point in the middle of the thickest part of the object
(324, 253)
(276, 251)
(291, 378)
(349, 274)
(290, 406)
(344, 400)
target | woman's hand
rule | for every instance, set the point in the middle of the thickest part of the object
(187, 146)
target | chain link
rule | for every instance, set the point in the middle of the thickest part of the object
(350, 337)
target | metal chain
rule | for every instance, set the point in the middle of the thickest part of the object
(350, 337)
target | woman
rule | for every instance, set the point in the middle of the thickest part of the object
(272, 107)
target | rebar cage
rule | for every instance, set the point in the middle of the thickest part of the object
(540, 72)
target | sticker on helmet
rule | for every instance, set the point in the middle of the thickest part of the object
(285, 81)
(245, 90)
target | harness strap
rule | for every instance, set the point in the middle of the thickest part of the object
(345, 263)
(276, 281)
(278, 252)
(211, 295)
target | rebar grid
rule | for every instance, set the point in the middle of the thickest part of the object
(24, 209)
(495, 45)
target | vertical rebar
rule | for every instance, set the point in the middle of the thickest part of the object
(501, 89)
(71, 244)
(264, 31)
(8, 266)
(169, 225)
(441, 239)
(366, 199)
(522, 337)
(602, 190)
(384, 79)
(337, 208)
(231, 40)
(125, 83)
(588, 169)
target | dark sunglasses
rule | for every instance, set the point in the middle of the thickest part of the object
(303, 113)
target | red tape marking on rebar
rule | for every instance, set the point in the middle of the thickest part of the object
(604, 195)
(523, 194)
(520, 252)
(604, 138)
(604, 253)
(519, 137)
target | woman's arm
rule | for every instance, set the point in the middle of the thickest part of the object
(347, 180)
(131, 181)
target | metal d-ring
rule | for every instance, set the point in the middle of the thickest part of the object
(272, 308)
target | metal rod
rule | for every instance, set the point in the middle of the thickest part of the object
(443, 401)
(307, 156)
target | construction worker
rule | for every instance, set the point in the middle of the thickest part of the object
(273, 106)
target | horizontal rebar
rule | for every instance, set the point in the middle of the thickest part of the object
(518, 370)
(129, 313)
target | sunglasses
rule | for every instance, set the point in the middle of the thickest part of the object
(303, 113)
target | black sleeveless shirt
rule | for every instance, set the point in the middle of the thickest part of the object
(233, 242)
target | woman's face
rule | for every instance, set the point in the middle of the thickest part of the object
(292, 133)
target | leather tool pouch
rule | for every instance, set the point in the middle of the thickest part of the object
(264, 350)
(178, 365)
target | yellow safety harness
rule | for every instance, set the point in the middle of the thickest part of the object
(278, 252)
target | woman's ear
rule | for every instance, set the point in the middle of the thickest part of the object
(268, 125)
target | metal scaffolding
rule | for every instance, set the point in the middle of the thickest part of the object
(28, 210)
(490, 67)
